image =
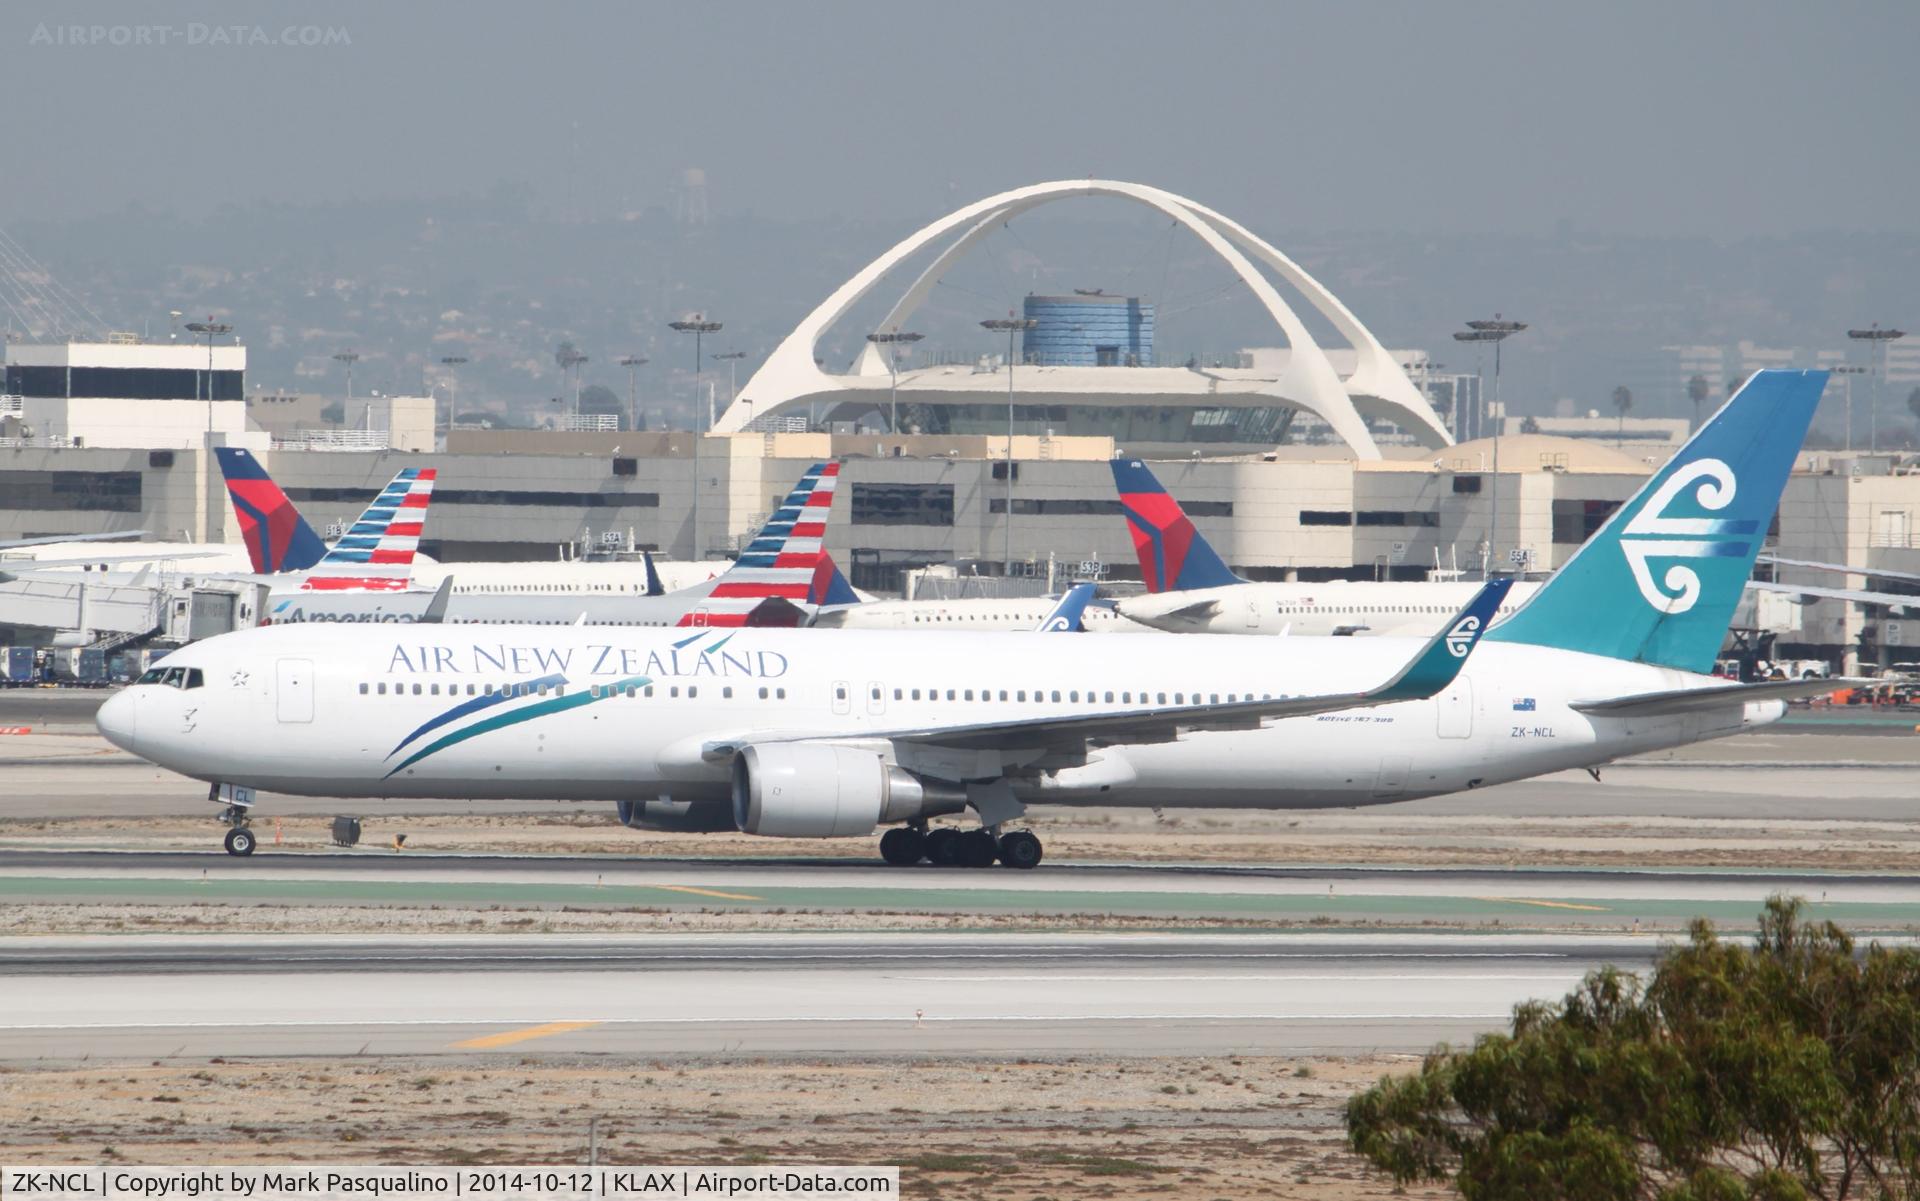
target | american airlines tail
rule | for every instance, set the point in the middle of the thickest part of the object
(278, 539)
(783, 560)
(1658, 583)
(1173, 555)
(376, 553)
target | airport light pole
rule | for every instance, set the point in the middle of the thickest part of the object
(1849, 372)
(452, 363)
(732, 359)
(697, 325)
(1012, 326)
(630, 362)
(570, 360)
(1877, 340)
(211, 328)
(348, 357)
(1495, 331)
(889, 343)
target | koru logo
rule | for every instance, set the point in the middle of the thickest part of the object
(1461, 637)
(1058, 622)
(1652, 534)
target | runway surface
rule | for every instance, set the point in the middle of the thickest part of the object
(864, 994)
(1525, 897)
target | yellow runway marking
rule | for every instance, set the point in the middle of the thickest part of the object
(708, 892)
(509, 1037)
(1546, 904)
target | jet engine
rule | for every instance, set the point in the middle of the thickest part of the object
(678, 817)
(820, 790)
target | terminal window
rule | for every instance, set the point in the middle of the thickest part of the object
(902, 504)
(1325, 517)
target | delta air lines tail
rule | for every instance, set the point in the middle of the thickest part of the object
(1658, 583)
(278, 539)
(1173, 555)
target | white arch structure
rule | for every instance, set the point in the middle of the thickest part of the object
(1377, 387)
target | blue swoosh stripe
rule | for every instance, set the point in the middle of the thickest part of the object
(475, 705)
(558, 704)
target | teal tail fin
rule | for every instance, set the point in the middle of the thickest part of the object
(1659, 582)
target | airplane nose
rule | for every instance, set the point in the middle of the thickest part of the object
(118, 719)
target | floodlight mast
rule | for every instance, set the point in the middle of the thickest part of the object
(1011, 325)
(890, 342)
(1496, 331)
(452, 363)
(209, 327)
(1877, 340)
(697, 325)
(630, 362)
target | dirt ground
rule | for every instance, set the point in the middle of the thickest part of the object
(1205, 836)
(1228, 1127)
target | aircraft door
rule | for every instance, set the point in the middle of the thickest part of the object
(1455, 710)
(842, 697)
(1253, 613)
(293, 693)
(876, 698)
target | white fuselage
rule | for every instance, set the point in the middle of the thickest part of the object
(349, 711)
(1402, 609)
(967, 613)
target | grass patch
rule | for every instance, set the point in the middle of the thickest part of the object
(935, 1161)
(1098, 1165)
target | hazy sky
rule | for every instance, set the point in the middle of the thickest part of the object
(1727, 119)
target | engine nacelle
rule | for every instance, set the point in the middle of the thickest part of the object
(820, 790)
(678, 817)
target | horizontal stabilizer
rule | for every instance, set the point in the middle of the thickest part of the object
(1695, 700)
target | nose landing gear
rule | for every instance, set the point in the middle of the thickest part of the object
(237, 815)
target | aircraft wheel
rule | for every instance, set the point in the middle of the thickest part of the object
(1020, 849)
(943, 847)
(978, 849)
(240, 841)
(903, 846)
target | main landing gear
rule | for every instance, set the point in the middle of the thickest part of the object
(945, 846)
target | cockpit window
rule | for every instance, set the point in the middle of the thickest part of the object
(194, 678)
(151, 675)
(173, 677)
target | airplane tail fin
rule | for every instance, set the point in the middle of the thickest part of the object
(278, 539)
(376, 553)
(1173, 555)
(1067, 614)
(829, 586)
(782, 558)
(1658, 583)
(654, 586)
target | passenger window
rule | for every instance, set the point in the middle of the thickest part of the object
(1072, 696)
(896, 695)
(763, 694)
(726, 694)
(1109, 698)
(363, 690)
(1003, 694)
(780, 694)
(969, 694)
(1022, 695)
(382, 689)
(416, 690)
(434, 689)
(1162, 700)
(916, 694)
(693, 690)
(1056, 694)
(489, 690)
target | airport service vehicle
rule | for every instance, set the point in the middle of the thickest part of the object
(1191, 590)
(834, 733)
(782, 574)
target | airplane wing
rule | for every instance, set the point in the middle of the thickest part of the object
(1839, 568)
(976, 749)
(1693, 700)
(54, 539)
(1845, 594)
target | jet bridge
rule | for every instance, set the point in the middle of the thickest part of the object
(77, 612)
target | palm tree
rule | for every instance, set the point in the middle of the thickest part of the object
(1698, 389)
(1622, 401)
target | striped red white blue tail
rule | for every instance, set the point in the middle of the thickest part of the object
(782, 558)
(376, 553)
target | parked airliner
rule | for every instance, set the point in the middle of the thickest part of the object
(1191, 590)
(834, 733)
